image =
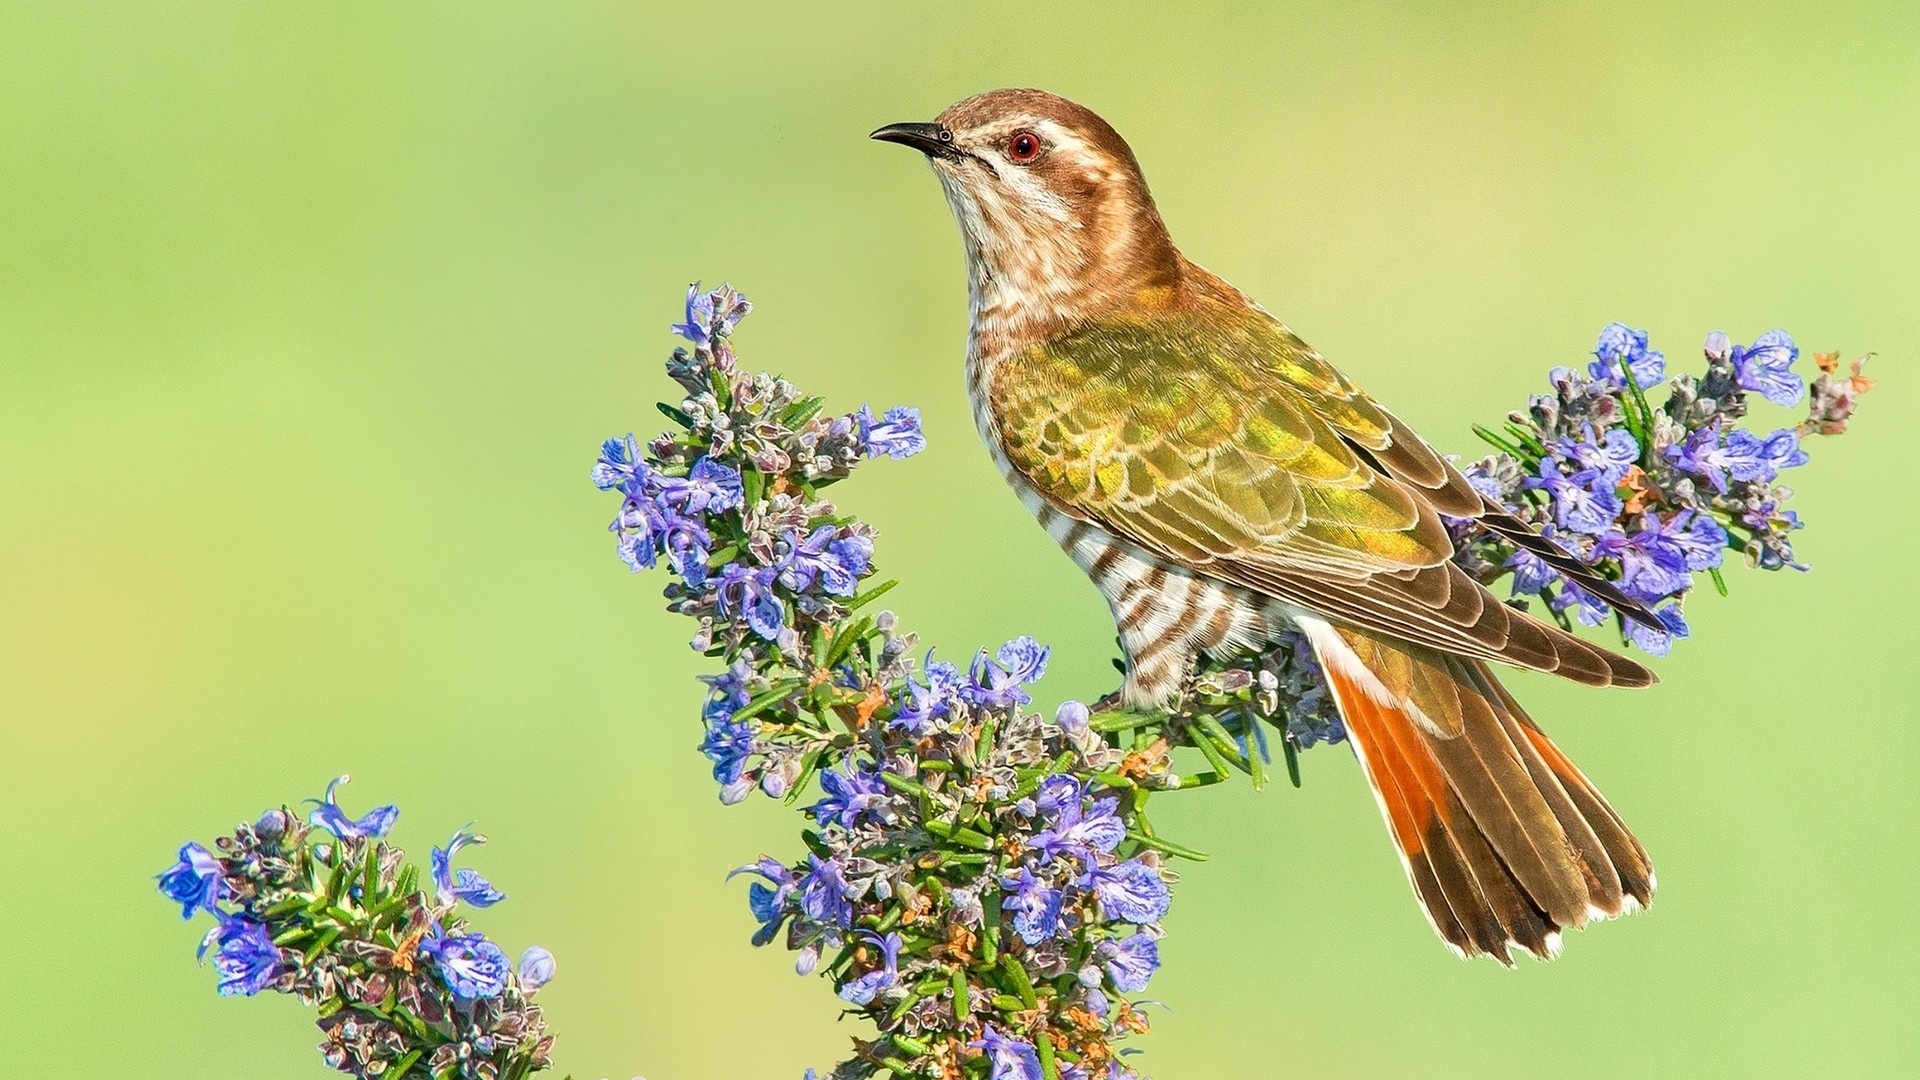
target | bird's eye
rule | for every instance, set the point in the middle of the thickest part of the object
(1023, 147)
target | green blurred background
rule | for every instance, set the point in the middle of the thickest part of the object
(312, 316)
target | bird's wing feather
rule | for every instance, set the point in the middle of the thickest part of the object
(1218, 440)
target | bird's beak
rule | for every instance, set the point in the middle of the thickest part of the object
(932, 140)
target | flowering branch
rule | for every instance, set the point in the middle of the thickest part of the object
(980, 882)
(327, 911)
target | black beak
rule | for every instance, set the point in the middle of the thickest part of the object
(930, 139)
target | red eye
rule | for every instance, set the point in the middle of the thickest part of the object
(1023, 147)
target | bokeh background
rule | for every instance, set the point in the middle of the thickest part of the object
(312, 316)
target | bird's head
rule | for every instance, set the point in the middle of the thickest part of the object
(1052, 208)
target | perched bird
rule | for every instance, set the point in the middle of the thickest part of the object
(1220, 482)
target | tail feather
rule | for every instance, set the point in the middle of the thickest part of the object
(1506, 843)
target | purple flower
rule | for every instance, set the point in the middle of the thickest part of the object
(1656, 642)
(535, 969)
(638, 531)
(1010, 1059)
(1019, 662)
(195, 882)
(851, 795)
(1618, 340)
(1766, 367)
(470, 966)
(1582, 503)
(708, 488)
(1075, 824)
(836, 562)
(924, 703)
(746, 593)
(1589, 609)
(825, 895)
(467, 884)
(1531, 573)
(620, 467)
(1700, 538)
(1608, 456)
(729, 744)
(769, 905)
(1652, 565)
(244, 955)
(896, 435)
(1036, 906)
(702, 309)
(687, 544)
(1130, 892)
(375, 823)
(1130, 962)
(860, 991)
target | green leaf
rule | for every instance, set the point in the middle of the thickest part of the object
(675, 415)
(1292, 753)
(1718, 581)
(870, 596)
(1167, 846)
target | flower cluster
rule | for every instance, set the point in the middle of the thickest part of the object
(326, 910)
(1650, 496)
(980, 882)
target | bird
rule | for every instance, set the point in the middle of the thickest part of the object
(1223, 484)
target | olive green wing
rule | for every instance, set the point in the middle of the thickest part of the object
(1222, 443)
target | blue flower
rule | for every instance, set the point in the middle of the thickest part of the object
(726, 692)
(1582, 503)
(1131, 962)
(1618, 340)
(245, 955)
(1010, 1059)
(825, 895)
(1656, 642)
(1075, 823)
(729, 744)
(1035, 904)
(702, 308)
(467, 884)
(852, 795)
(535, 969)
(769, 905)
(620, 467)
(1609, 456)
(836, 562)
(746, 593)
(1652, 565)
(375, 823)
(687, 545)
(1701, 539)
(1019, 662)
(862, 990)
(1531, 573)
(708, 488)
(1588, 608)
(638, 530)
(195, 882)
(1130, 892)
(924, 703)
(1766, 366)
(897, 434)
(471, 966)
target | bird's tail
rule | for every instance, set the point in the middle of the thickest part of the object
(1506, 843)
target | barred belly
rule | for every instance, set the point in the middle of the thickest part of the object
(1166, 614)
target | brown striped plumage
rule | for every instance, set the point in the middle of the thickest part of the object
(1220, 482)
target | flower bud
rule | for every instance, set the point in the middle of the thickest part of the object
(272, 825)
(536, 968)
(1072, 717)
